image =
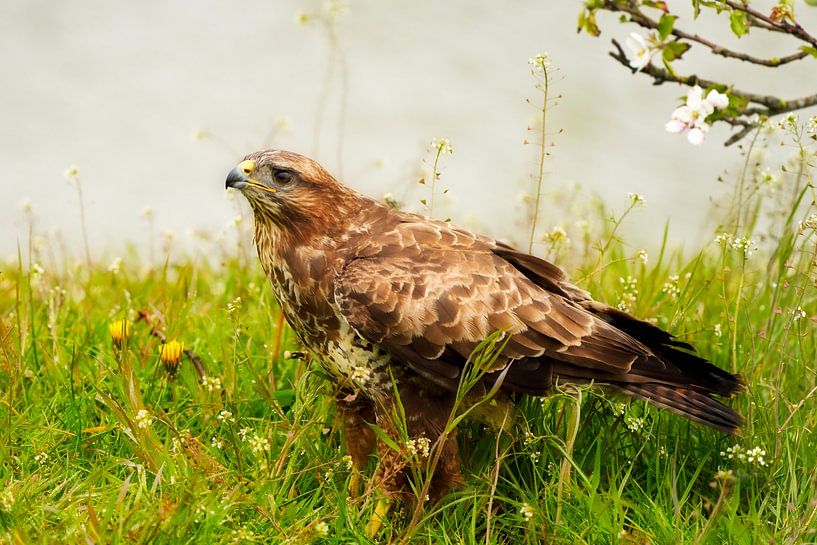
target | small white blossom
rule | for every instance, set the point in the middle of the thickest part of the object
(636, 199)
(347, 462)
(718, 332)
(724, 240)
(629, 294)
(635, 423)
(441, 146)
(234, 306)
(215, 442)
(41, 458)
(671, 287)
(798, 313)
(755, 456)
(115, 266)
(642, 257)
(143, 419)
(322, 529)
(539, 62)
(225, 416)
(7, 499)
(243, 433)
(810, 223)
(526, 511)
(258, 444)
(419, 447)
(71, 173)
(211, 384)
(746, 245)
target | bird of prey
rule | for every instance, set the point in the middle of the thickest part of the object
(393, 303)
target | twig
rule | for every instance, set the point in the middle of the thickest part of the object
(638, 17)
(792, 29)
(769, 105)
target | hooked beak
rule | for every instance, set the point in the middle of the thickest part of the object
(236, 179)
(239, 177)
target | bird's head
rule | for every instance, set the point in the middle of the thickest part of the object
(286, 189)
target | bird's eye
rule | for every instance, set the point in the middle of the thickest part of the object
(283, 177)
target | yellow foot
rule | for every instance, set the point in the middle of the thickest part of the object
(354, 484)
(379, 515)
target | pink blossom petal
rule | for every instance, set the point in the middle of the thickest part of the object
(695, 136)
(694, 97)
(717, 100)
(683, 114)
(675, 126)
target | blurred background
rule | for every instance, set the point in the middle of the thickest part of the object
(155, 101)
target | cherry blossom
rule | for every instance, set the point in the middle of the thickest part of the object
(691, 117)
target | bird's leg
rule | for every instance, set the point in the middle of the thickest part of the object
(360, 439)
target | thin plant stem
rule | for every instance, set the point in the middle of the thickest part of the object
(542, 155)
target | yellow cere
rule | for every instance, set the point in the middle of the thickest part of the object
(247, 167)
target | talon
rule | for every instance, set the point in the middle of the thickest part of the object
(378, 517)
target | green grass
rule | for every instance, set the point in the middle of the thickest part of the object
(76, 466)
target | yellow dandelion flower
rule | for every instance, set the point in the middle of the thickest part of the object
(171, 354)
(120, 331)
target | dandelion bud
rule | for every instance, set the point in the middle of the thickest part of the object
(171, 354)
(120, 332)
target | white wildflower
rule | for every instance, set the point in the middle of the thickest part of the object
(629, 294)
(41, 458)
(557, 236)
(539, 62)
(755, 456)
(642, 257)
(143, 419)
(745, 245)
(441, 146)
(347, 462)
(225, 416)
(724, 240)
(635, 423)
(211, 384)
(671, 287)
(258, 444)
(322, 529)
(215, 442)
(7, 499)
(243, 432)
(798, 313)
(718, 332)
(636, 199)
(526, 511)
(234, 306)
(115, 266)
(419, 447)
(810, 223)
(71, 173)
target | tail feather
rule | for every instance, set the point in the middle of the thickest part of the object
(687, 402)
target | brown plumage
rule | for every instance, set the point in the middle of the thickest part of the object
(379, 295)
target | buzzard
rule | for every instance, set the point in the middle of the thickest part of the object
(395, 303)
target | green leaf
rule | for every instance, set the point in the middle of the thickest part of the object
(665, 25)
(674, 50)
(739, 22)
(808, 49)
